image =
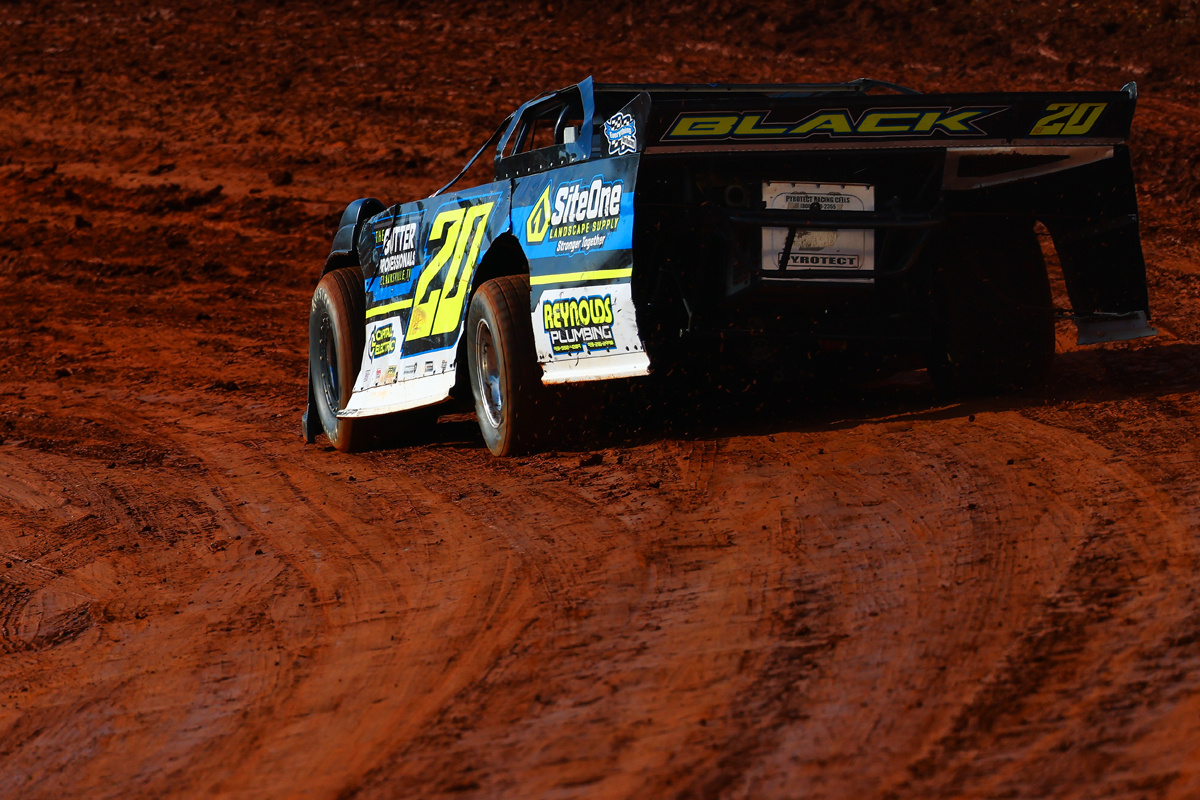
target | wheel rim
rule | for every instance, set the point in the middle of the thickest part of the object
(488, 373)
(329, 363)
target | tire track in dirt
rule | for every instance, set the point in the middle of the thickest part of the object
(900, 646)
(753, 610)
(584, 682)
(340, 638)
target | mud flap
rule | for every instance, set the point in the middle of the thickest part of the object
(1091, 214)
(310, 421)
(1097, 330)
(1095, 231)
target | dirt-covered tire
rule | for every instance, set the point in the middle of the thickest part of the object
(992, 315)
(335, 347)
(506, 380)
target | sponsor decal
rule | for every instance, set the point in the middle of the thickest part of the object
(539, 218)
(399, 257)
(410, 370)
(621, 132)
(816, 239)
(391, 375)
(428, 367)
(797, 249)
(383, 342)
(1068, 119)
(577, 324)
(903, 122)
(810, 260)
(577, 216)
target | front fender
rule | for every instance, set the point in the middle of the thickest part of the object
(344, 249)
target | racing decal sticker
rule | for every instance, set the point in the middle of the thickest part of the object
(575, 211)
(581, 217)
(539, 218)
(382, 342)
(586, 322)
(399, 256)
(417, 283)
(423, 261)
(579, 324)
(584, 214)
(1068, 119)
(621, 132)
(575, 225)
(789, 252)
(885, 122)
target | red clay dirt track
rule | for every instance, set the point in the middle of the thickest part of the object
(870, 595)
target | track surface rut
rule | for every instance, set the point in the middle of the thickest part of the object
(832, 593)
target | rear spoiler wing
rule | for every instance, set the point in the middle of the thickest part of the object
(1057, 158)
(680, 122)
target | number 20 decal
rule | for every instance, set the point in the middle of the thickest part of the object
(437, 311)
(1068, 119)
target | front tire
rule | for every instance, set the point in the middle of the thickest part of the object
(506, 380)
(336, 334)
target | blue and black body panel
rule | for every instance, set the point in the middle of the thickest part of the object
(418, 264)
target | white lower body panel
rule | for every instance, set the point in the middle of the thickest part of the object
(588, 333)
(624, 365)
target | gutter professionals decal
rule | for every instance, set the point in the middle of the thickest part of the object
(575, 324)
(399, 245)
(875, 123)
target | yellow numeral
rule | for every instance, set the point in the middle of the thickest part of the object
(1068, 119)
(439, 310)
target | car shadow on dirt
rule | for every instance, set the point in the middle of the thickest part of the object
(703, 406)
(624, 414)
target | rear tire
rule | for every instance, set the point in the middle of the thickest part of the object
(506, 380)
(992, 311)
(336, 334)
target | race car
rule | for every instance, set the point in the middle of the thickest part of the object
(629, 227)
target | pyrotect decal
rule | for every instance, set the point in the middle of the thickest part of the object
(789, 253)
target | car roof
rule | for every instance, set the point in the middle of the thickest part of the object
(857, 86)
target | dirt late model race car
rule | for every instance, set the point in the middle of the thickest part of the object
(629, 226)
